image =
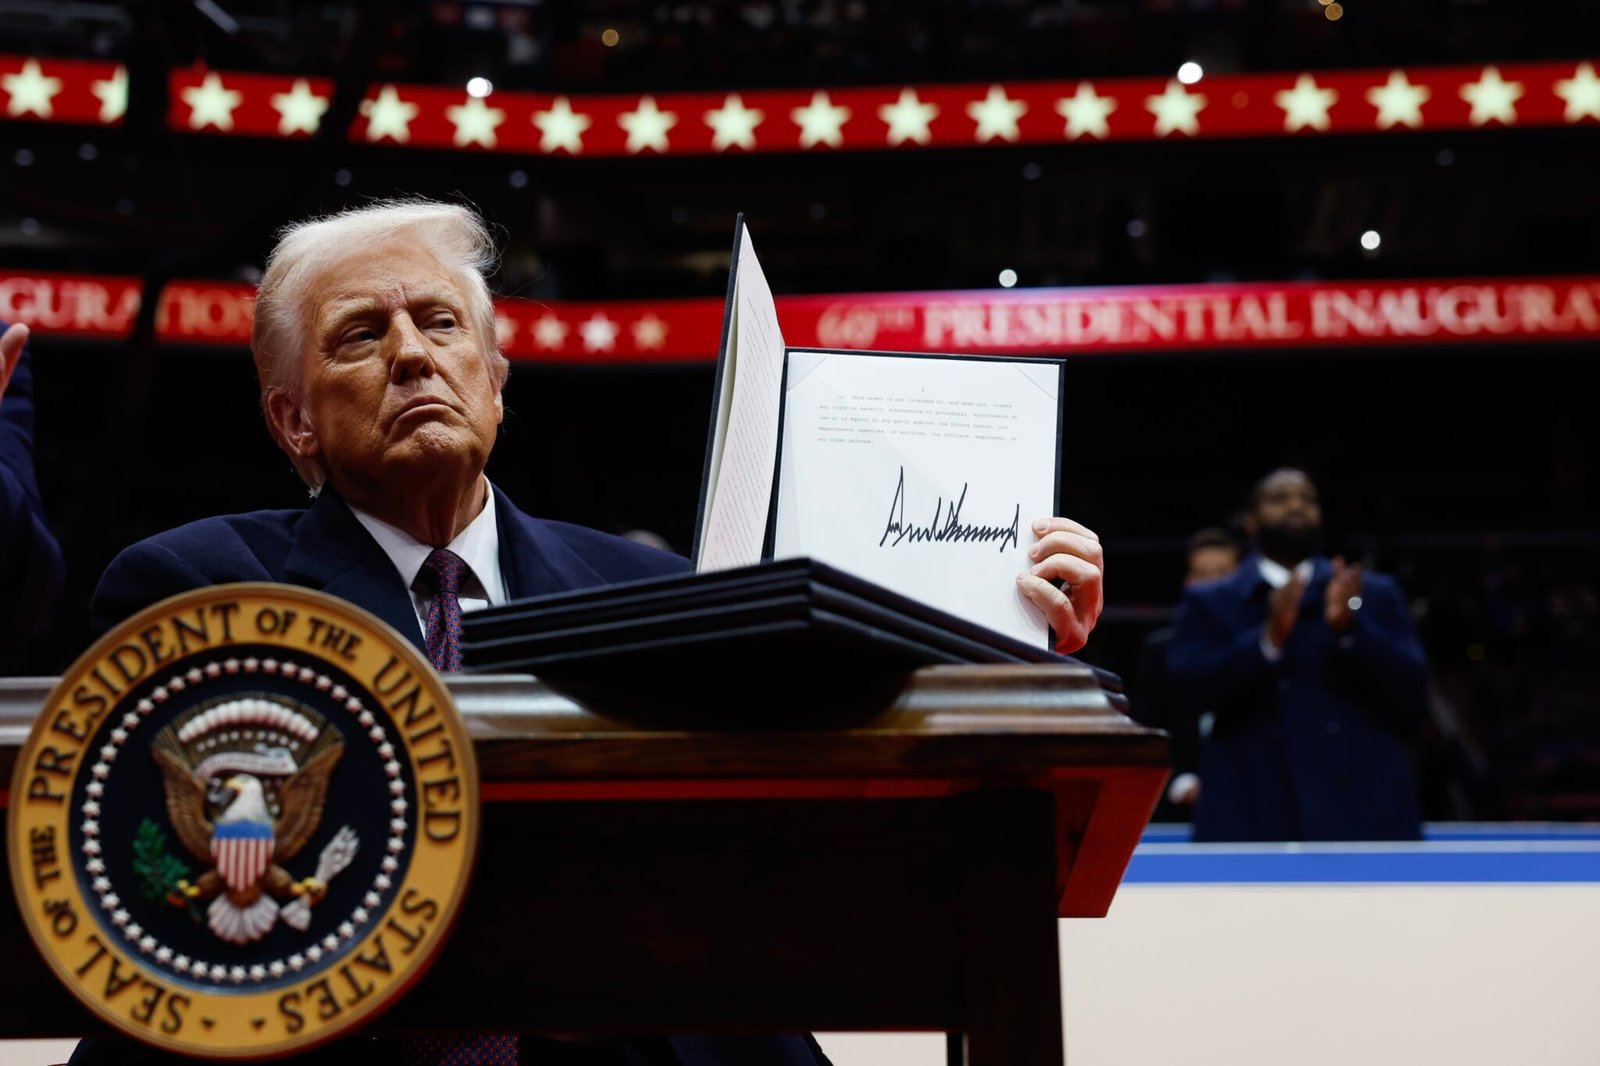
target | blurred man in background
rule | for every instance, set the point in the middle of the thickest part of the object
(1314, 675)
(30, 560)
(1213, 554)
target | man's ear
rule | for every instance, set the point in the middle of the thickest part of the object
(291, 426)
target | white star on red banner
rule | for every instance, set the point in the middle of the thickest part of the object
(1177, 110)
(561, 128)
(211, 103)
(29, 92)
(908, 118)
(1086, 112)
(733, 125)
(971, 116)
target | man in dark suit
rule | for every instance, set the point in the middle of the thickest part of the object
(30, 560)
(381, 380)
(1314, 675)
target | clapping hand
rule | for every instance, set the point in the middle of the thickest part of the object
(1344, 595)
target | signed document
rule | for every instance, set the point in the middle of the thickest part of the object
(921, 473)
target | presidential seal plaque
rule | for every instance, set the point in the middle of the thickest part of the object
(244, 821)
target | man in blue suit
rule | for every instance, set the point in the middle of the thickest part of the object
(30, 560)
(374, 340)
(1313, 676)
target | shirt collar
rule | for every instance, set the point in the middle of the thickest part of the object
(1277, 575)
(478, 546)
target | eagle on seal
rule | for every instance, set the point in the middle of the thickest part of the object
(243, 829)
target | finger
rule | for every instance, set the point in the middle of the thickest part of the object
(1062, 542)
(11, 342)
(1069, 568)
(1084, 584)
(1059, 610)
(1041, 526)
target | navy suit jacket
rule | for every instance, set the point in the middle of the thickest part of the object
(30, 560)
(1310, 746)
(325, 547)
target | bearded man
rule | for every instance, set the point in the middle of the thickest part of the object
(1313, 676)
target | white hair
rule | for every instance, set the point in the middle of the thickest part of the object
(454, 235)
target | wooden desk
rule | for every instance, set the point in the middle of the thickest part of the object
(904, 873)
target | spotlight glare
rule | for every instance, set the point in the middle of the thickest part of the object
(1008, 278)
(479, 87)
(1190, 73)
(1370, 240)
(610, 37)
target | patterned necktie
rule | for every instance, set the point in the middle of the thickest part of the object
(444, 612)
(446, 568)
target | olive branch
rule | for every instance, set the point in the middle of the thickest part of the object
(158, 871)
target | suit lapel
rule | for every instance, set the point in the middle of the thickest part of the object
(533, 561)
(334, 553)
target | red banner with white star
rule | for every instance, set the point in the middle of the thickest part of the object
(812, 120)
(1086, 321)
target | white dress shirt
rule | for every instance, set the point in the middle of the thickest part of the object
(1277, 575)
(478, 545)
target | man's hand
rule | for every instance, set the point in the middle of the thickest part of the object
(11, 342)
(1283, 609)
(1069, 553)
(1344, 595)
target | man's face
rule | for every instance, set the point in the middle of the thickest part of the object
(1288, 501)
(1286, 518)
(1211, 562)
(395, 380)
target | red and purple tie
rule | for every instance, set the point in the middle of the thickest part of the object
(444, 613)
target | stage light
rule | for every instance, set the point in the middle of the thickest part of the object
(342, 177)
(1190, 73)
(1137, 228)
(479, 87)
(29, 227)
(88, 152)
(1370, 240)
(24, 157)
(1334, 12)
(1008, 278)
(518, 179)
(610, 37)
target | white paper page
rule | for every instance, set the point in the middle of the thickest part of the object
(746, 448)
(922, 475)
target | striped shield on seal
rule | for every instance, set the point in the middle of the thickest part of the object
(242, 851)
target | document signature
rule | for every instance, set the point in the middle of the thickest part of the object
(950, 529)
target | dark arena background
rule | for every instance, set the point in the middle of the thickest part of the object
(1448, 424)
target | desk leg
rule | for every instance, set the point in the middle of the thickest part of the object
(1012, 975)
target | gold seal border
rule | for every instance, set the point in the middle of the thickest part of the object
(441, 887)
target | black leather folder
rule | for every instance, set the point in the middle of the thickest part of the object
(780, 642)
